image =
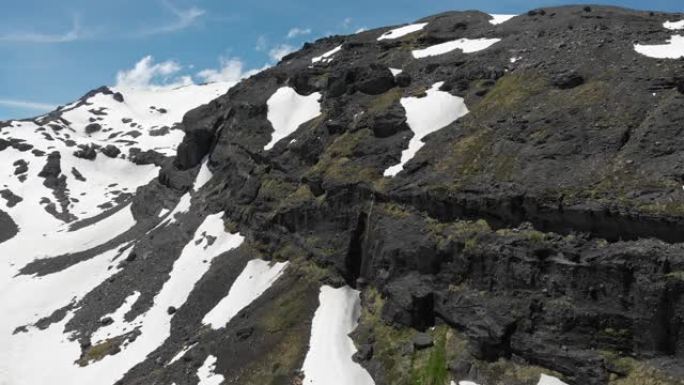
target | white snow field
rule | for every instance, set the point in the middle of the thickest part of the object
(53, 351)
(465, 45)
(402, 31)
(326, 57)
(257, 276)
(500, 19)
(329, 359)
(206, 372)
(674, 25)
(92, 187)
(673, 49)
(426, 115)
(287, 110)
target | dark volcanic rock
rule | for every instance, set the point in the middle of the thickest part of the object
(86, 152)
(374, 79)
(92, 128)
(110, 151)
(539, 233)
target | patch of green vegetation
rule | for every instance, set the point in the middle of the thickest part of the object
(393, 209)
(97, 352)
(510, 92)
(678, 275)
(337, 162)
(637, 372)
(430, 368)
(506, 372)
(275, 188)
(285, 319)
(384, 101)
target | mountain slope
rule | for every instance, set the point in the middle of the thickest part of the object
(475, 198)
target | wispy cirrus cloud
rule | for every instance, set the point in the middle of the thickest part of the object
(184, 18)
(296, 31)
(27, 105)
(75, 33)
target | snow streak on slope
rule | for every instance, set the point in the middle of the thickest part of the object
(203, 176)
(52, 349)
(329, 360)
(426, 115)
(254, 280)
(673, 49)
(402, 31)
(326, 57)
(287, 110)
(499, 19)
(465, 45)
(206, 372)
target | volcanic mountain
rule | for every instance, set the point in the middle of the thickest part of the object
(466, 199)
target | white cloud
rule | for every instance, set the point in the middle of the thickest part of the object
(184, 19)
(148, 74)
(27, 105)
(276, 53)
(294, 32)
(346, 23)
(44, 38)
(261, 44)
(232, 70)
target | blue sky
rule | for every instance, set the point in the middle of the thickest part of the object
(52, 52)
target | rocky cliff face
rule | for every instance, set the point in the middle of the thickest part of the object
(482, 199)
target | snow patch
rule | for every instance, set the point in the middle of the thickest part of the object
(206, 373)
(327, 57)
(254, 280)
(674, 25)
(180, 354)
(499, 19)
(674, 49)
(396, 71)
(465, 45)
(329, 360)
(426, 115)
(402, 31)
(203, 176)
(550, 380)
(287, 110)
